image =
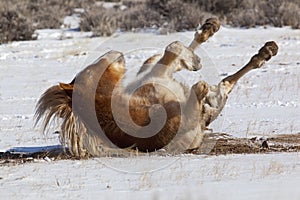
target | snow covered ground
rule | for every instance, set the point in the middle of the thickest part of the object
(265, 102)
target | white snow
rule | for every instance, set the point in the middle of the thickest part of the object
(265, 102)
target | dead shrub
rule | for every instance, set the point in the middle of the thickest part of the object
(135, 18)
(271, 11)
(290, 14)
(177, 15)
(42, 14)
(225, 6)
(14, 27)
(100, 21)
(246, 18)
(171, 15)
(281, 13)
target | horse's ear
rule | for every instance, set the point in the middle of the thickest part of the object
(68, 88)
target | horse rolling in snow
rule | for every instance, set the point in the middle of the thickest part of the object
(101, 116)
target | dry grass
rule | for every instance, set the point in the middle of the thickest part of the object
(171, 15)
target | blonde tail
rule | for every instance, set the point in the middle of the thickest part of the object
(54, 104)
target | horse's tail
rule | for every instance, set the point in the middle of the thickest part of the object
(56, 104)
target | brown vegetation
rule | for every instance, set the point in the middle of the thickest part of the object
(170, 15)
(14, 27)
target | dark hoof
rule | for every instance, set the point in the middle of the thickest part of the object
(268, 50)
(212, 25)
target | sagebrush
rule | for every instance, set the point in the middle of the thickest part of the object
(131, 15)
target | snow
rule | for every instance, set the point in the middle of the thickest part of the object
(271, 176)
(265, 102)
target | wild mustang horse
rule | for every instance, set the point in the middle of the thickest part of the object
(99, 115)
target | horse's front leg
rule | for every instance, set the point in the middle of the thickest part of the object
(208, 29)
(192, 135)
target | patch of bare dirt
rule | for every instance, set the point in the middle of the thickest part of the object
(214, 144)
(11, 158)
(225, 144)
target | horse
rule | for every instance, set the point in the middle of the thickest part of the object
(99, 115)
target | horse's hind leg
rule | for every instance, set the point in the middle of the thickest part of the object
(265, 53)
(217, 96)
